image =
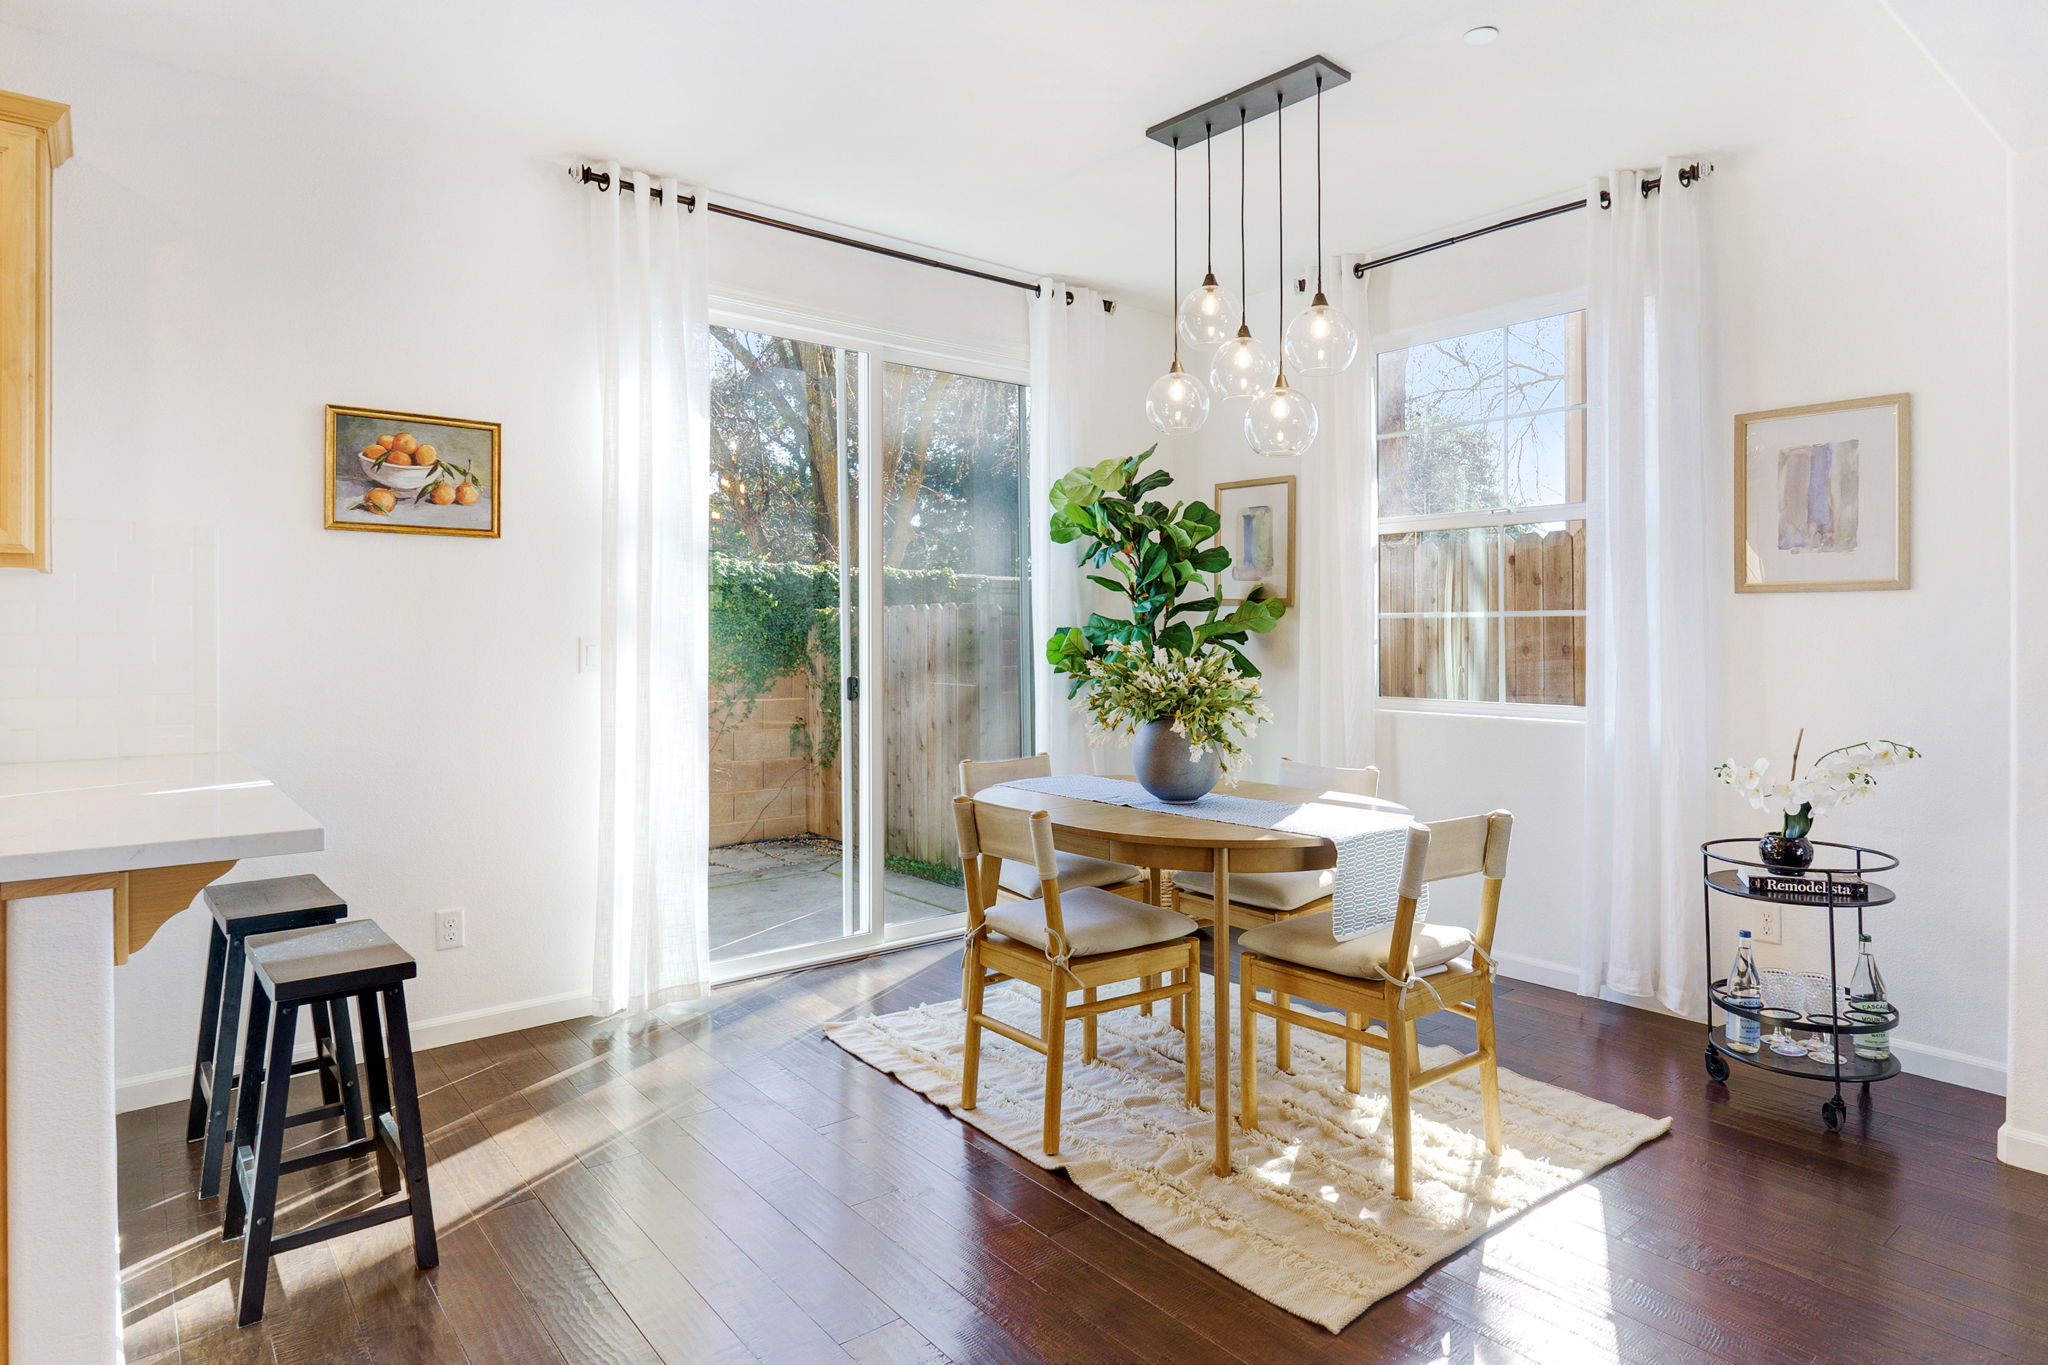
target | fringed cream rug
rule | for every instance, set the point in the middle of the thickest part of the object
(1306, 1218)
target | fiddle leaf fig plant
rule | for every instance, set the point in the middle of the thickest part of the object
(1155, 556)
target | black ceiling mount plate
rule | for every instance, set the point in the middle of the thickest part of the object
(1249, 103)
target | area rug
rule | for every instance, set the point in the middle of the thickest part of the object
(1307, 1218)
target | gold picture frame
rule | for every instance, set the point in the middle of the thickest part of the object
(1278, 523)
(392, 494)
(1833, 512)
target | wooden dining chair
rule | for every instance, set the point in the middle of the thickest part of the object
(1262, 897)
(1381, 977)
(1019, 880)
(1061, 942)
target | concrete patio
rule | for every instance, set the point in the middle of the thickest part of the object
(784, 893)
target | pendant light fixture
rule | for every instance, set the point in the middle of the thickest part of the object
(1281, 420)
(1177, 401)
(1204, 315)
(1320, 340)
(1242, 363)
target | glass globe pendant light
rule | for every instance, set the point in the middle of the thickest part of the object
(1281, 420)
(1204, 315)
(1320, 340)
(1242, 363)
(1176, 401)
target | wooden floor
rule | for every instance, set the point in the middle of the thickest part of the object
(719, 1183)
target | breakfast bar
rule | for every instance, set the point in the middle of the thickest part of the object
(95, 855)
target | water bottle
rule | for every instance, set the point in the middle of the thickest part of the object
(1744, 988)
(1867, 996)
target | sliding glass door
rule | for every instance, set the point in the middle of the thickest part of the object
(867, 632)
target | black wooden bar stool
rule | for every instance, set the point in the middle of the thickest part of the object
(240, 910)
(316, 969)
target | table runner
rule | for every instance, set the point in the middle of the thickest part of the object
(1372, 845)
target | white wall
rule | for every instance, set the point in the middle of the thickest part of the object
(228, 262)
(1860, 256)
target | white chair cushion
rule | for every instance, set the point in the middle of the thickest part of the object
(1096, 922)
(1310, 941)
(1022, 878)
(1281, 891)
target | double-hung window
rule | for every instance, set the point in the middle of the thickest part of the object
(1482, 516)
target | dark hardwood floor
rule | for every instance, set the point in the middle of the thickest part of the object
(719, 1183)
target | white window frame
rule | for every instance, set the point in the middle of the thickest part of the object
(866, 926)
(1488, 319)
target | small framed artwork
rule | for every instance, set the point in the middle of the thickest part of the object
(406, 472)
(1822, 497)
(1258, 530)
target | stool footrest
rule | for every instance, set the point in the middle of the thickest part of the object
(302, 1068)
(341, 1227)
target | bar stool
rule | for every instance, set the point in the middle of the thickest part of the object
(320, 969)
(240, 910)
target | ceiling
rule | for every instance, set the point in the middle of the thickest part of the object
(1014, 133)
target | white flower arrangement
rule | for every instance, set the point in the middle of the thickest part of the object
(1836, 778)
(1209, 701)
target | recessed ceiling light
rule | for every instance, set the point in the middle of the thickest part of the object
(1481, 36)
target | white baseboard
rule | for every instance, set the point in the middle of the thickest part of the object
(1558, 975)
(1921, 1059)
(2018, 1147)
(165, 1087)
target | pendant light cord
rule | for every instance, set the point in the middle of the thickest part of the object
(1209, 191)
(1173, 285)
(1319, 186)
(1280, 234)
(1244, 279)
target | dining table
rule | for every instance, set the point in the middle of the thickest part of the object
(1162, 842)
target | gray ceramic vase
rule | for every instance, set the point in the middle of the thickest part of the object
(1165, 768)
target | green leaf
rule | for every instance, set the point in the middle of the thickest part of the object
(1178, 637)
(1215, 559)
(1110, 583)
(1193, 604)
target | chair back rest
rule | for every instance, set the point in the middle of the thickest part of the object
(1445, 849)
(990, 833)
(976, 773)
(1316, 777)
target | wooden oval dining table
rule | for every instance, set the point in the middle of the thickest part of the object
(1161, 843)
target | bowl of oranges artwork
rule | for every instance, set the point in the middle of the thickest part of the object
(399, 461)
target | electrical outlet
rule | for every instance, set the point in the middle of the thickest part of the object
(586, 655)
(1765, 929)
(448, 929)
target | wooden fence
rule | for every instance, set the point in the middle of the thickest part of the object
(949, 691)
(1463, 657)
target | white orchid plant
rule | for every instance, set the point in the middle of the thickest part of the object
(1835, 779)
(1209, 701)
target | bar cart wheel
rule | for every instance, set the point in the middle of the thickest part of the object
(1717, 1067)
(1832, 1114)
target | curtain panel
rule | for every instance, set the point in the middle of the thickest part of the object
(652, 942)
(1648, 611)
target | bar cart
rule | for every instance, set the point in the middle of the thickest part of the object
(1843, 867)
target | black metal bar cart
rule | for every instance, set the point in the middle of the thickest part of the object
(1844, 867)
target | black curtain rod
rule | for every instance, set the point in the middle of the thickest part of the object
(1687, 176)
(603, 180)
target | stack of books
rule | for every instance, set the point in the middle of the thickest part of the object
(1845, 887)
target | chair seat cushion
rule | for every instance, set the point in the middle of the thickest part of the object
(1282, 891)
(1310, 941)
(1022, 879)
(1096, 922)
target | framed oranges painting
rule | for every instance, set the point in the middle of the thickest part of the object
(410, 473)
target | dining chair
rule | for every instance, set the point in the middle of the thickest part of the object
(1258, 898)
(1397, 974)
(1018, 880)
(1060, 942)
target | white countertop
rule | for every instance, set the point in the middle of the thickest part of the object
(117, 814)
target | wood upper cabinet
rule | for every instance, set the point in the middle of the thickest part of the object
(35, 139)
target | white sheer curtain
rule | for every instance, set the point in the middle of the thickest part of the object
(1646, 685)
(653, 816)
(1337, 591)
(1066, 370)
